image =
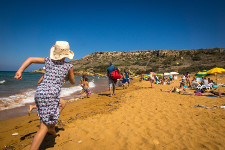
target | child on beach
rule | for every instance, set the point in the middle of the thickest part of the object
(85, 88)
(82, 84)
(127, 77)
(124, 81)
(48, 91)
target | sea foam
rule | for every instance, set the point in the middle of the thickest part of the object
(27, 96)
(2, 82)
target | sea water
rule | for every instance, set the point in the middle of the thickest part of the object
(16, 93)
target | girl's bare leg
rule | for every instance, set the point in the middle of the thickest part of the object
(151, 82)
(168, 90)
(63, 104)
(31, 107)
(186, 93)
(38, 138)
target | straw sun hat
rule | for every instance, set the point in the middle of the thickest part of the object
(61, 50)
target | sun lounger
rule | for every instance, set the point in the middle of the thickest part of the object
(195, 85)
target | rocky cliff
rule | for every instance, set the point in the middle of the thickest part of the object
(190, 60)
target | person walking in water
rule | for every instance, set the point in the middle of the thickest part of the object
(86, 88)
(47, 96)
(112, 82)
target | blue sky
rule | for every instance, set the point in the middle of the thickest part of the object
(30, 28)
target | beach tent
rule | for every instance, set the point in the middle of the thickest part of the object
(202, 73)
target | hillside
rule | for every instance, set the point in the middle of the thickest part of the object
(137, 62)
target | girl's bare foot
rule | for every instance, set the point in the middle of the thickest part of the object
(52, 131)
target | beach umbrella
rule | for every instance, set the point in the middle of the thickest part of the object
(159, 74)
(174, 73)
(202, 73)
(215, 71)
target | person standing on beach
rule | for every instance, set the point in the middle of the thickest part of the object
(112, 82)
(124, 81)
(82, 79)
(151, 78)
(127, 77)
(85, 88)
(47, 96)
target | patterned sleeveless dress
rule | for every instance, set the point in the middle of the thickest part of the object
(47, 97)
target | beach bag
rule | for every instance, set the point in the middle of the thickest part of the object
(114, 74)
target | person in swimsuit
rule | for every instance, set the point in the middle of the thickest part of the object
(176, 89)
(47, 96)
(86, 88)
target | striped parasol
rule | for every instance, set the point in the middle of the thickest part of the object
(202, 73)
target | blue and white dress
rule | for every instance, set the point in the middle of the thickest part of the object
(47, 97)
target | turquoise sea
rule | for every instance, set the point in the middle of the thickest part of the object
(16, 93)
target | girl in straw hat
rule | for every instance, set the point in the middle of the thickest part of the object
(47, 97)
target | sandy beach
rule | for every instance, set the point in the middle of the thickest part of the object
(139, 117)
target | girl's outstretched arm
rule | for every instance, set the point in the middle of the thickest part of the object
(71, 76)
(28, 62)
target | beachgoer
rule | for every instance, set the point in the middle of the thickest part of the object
(151, 78)
(171, 77)
(86, 88)
(112, 82)
(127, 77)
(48, 91)
(156, 79)
(124, 80)
(188, 79)
(205, 93)
(183, 78)
(176, 89)
(82, 79)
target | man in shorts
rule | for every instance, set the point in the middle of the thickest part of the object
(112, 82)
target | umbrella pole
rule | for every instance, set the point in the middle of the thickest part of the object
(216, 78)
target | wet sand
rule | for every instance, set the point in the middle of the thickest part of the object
(139, 117)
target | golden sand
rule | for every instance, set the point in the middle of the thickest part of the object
(139, 117)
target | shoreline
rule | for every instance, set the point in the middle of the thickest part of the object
(21, 111)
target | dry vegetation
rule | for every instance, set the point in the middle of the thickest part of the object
(138, 62)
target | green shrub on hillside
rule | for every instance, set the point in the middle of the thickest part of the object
(196, 58)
